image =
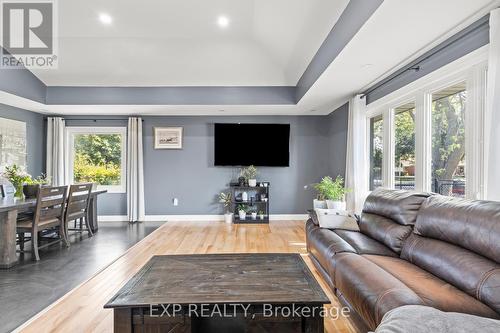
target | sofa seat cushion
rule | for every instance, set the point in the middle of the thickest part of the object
(424, 319)
(323, 244)
(432, 290)
(369, 289)
(363, 244)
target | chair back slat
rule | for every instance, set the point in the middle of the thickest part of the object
(78, 199)
(2, 191)
(50, 203)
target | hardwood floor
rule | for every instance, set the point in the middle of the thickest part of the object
(82, 309)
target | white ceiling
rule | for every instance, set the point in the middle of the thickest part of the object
(274, 41)
(178, 42)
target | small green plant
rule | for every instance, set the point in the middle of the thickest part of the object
(17, 177)
(249, 172)
(243, 208)
(329, 189)
(226, 200)
(40, 180)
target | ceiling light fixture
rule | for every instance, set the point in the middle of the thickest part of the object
(223, 21)
(105, 19)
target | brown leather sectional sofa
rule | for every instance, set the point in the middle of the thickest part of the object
(413, 249)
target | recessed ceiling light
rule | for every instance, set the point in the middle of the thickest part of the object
(223, 21)
(105, 19)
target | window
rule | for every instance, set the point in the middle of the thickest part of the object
(429, 135)
(404, 141)
(97, 155)
(376, 151)
(12, 143)
(448, 141)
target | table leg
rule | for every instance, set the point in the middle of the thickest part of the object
(93, 214)
(122, 320)
(8, 256)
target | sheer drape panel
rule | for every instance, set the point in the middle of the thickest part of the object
(135, 171)
(492, 118)
(56, 163)
(356, 161)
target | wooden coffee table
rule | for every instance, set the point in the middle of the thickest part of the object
(221, 293)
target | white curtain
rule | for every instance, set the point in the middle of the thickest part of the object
(56, 164)
(135, 171)
(356, 161)
(492, 119)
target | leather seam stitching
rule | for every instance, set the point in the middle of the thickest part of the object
(483, 280)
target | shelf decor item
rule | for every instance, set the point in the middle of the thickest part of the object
(168, 137)
(244, 196)
(250, 174)
(261, 214)
(254, 215)
(226, 200)
(242, 212)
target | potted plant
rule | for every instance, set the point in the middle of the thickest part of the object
(254, 215)
(226, 200)
(242, 212)
(31, 185)
(332, 192)
(17, 177)
(250, 174)
(261, 214)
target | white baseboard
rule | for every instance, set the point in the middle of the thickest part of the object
(112, 218)
(160, 218)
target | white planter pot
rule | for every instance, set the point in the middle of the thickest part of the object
(228, 218)
(261, 216)
(252, 182)
(242, 214)
(319, 204)
(337, 205)
(254, 216)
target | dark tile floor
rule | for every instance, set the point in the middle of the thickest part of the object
(29, 287)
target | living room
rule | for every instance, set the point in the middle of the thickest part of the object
(234, 166)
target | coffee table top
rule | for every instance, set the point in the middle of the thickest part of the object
(221, 278)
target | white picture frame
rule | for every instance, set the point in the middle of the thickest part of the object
(168, 137)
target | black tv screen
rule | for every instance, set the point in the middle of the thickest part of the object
(252, 144)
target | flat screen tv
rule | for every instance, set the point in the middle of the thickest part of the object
(252, 144)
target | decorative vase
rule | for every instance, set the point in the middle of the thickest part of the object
(254, 216)
(242, 215)
(228, 218)
(19, 192)
(241, 181)
(337, 205)
(319, 204)
(30, 191)
(252, 182)
(244, 196)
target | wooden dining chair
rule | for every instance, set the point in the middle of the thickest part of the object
(77, 209)
(49, 214)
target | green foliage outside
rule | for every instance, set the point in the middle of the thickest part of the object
(98, 159)
(448, 138)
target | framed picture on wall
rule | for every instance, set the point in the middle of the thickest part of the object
(168, 137)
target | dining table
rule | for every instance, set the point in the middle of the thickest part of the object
(9, 209)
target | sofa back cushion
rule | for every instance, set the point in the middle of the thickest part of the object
(459, 241)
(389, 215)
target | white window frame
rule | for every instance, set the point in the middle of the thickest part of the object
(70, 143)
(471, 69)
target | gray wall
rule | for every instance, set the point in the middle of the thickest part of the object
(190, 176)
(35, 135)
(337, 136)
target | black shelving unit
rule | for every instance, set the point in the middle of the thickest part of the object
(258, 205)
